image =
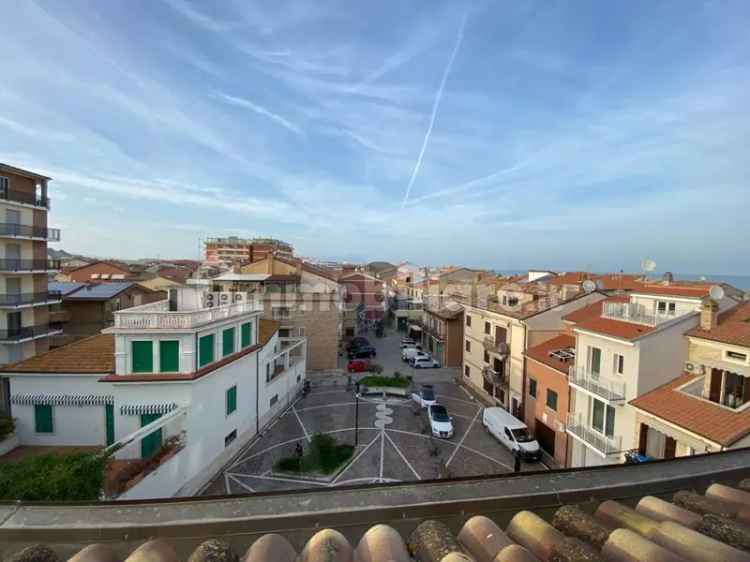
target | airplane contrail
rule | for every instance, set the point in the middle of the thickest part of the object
(435, 106)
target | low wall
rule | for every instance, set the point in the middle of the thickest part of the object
(353, 509)
(9, 443)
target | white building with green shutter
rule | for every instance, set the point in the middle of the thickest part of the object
(176, 379)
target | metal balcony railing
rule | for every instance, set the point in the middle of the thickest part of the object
(13, 264)
(29, 231)
(636, 314)
(21, 299)
(13, 335)
(24, 197)
(604, 387)
(494, 377)
(605, 444)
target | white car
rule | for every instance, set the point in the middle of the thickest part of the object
(425, 396)
(407, 342)
(424, 362)
(411, 352)
(441, 423)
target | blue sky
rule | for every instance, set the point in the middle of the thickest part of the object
(491, 134)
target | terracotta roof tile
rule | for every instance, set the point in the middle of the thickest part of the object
(592, 310)
(691, 290)
(705, 418)
(733, 327)
(614, 328)
(95, 354)
(542, 352)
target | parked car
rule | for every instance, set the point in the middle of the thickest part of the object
(409, 352)
(512, 433)
(407, 342)
(425, 396)
(441, 423)
(422, 362)
(358, 365)
(363, 352)
(357, 342)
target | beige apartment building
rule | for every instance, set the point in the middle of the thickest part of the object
(304, 299)
(25, 328)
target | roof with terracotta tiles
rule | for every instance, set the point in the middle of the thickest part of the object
(592, 310)
(733, 327)
(718, 424)
(614, 328)
(95, 354)
(676, 289)
(541, 352)
(692, 526)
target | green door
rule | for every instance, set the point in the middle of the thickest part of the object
(152, 442)
(109, 419)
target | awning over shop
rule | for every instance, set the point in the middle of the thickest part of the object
(415, 328)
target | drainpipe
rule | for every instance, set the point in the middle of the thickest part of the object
(523, 383)
(257, 392)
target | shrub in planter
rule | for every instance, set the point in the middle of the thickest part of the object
(6, 426)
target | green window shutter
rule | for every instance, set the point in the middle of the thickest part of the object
(246, 334)
(231, 400)
(150, 444)
(206, 350)
(109, 415)
(143, 356)
(169, 356)
(227, 342)
(43, 418)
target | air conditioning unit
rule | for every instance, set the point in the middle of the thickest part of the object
(224, 297)
(238, 297)
(695, 368)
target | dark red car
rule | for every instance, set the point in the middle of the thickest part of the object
(358, 365)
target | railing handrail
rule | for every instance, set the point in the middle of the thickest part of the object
(24, 264)
(29, 297)
(155, 315)
(30, 230)
(601, 385)
(635, 313)
(604, 443)
(24, 197)
(29, 331)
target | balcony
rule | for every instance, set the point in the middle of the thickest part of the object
(13, 230)
(29, 299)
(610, 390)
(157, 316)
(27, 333)
(578, 428)
(635, 314)
(283, 315)
(14, 265)
(493, 345)
(25, 198)
(494, 377)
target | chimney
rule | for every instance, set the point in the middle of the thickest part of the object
(709, 314)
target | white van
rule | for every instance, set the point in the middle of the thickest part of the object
(512, 433)
(410, 352)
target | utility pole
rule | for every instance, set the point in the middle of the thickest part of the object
(356, 415)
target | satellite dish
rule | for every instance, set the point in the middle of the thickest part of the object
(589, 286)
(716, 292)
(647, 265)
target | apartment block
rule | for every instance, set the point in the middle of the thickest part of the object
(630, 348)
(442, 334)
(182, 381)
(25, 328)
(706, 408)
(233, 250)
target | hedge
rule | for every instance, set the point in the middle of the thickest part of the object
(372, 380)
(74, 477)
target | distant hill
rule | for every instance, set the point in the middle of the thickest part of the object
(59, 254)
(378, 266)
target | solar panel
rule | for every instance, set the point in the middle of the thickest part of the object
(564, 355)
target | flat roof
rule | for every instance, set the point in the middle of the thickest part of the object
(21, 172)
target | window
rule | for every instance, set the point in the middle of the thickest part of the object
(735, 356)
(487, 328)
(273, 400)
(486, 356)
(468, 320)
(552, 400)
(205, 350)
(532, 388)
(227, 342)
(603, 418)
(512, 301)
(4, 187)
(230, 437)
(468, 345)
(246, 334)
(143, 356)
(672, 309)
(231, 402)
(595, 360)
(664, 307)
(467, 371)
(43, 418)
(619, 366)
(169, 356)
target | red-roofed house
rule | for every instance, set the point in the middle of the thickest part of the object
(627, 350)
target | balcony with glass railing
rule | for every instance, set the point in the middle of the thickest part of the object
(13, 230)
(580, 429)
(20, 265)
(17, 300)
(24, 197)
(600, 386)
(634, 313)
(26, 333)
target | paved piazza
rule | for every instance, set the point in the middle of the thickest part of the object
(395, 443)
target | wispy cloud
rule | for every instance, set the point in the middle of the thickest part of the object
(260, 110)
(27, 130)
(435, 107)
(212, 24)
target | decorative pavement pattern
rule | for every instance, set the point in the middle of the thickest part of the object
(395, 443)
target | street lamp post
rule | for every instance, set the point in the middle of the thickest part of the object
(356, 415)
